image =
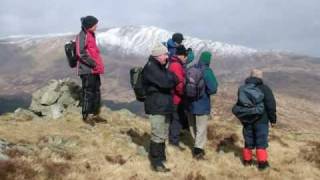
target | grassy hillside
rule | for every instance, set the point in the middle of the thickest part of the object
(69, 149)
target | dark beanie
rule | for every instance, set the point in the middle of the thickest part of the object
(177, 37)
(88, 22)
(181, 50)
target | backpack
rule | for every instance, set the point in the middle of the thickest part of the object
(195, 85)
(136, 81)
(249, 107)
(70, 50)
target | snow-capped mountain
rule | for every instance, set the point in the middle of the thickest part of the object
(140, 39)
(136, 40)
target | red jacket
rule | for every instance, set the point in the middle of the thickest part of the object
(90, 61)
(176, 67)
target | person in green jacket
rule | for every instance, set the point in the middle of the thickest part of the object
(200, 108)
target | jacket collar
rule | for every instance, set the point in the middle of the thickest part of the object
(254, 80)
(203, 64)
(175, 58)
(155, 61)
(87, 31)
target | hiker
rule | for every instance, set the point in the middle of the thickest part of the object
(255, 131)
(190, 57)
(90, 66)
(176, 66)
(158, 83)
(200, 106)
(173, 43)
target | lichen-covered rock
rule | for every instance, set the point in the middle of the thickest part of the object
(54, 99)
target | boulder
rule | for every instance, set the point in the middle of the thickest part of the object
(51, 101)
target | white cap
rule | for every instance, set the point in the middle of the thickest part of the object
(159, 49)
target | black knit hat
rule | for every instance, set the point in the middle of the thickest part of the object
(181, 50)
(88, 22)
(177, 37)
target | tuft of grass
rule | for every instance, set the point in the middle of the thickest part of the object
(312, 154)
(228, 144)
(195, 176)
(56, 170)
(140, 140)
(16, 169)
(14, 153)
(118, 159)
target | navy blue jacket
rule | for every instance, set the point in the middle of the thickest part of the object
(202, 106)
(172, 47)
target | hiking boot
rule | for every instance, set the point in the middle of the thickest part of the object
(199, 156)
(198, 153)
(160, 168)
(262, 157)
(263, 165)
(88, 119)
(156, 157)
(247, 162)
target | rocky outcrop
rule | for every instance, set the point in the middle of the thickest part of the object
(52, 101)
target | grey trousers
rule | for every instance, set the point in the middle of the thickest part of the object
(198, 126)
(159, 128)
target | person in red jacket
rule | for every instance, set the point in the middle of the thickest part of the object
(176, 66)
(90, 66)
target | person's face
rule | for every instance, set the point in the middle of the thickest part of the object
(162, 59)
(93, 28)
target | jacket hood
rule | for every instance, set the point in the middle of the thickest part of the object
(205, 58)
(171, 44)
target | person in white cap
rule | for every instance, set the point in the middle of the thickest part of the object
(158, 83)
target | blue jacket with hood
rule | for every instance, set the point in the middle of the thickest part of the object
(202, 106)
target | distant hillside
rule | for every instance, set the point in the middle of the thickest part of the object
(28, 62)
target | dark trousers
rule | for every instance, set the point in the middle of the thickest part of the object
(256, 135)
(177, 123)
(91, 96)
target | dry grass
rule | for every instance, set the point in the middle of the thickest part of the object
(118, 159)
(312, 153)
(195, 176)
(16, 169)
(69, 149)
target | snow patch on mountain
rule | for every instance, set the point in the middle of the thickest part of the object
(140, 39)
(134, 40)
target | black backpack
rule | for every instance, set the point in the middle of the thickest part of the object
(195, 85)
(249, 107)
(70, 50)
(136, 81)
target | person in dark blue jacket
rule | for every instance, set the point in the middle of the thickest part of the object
(173, 43)
(200, 109)
(256, 134)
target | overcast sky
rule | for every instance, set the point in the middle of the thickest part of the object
(292, 25)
